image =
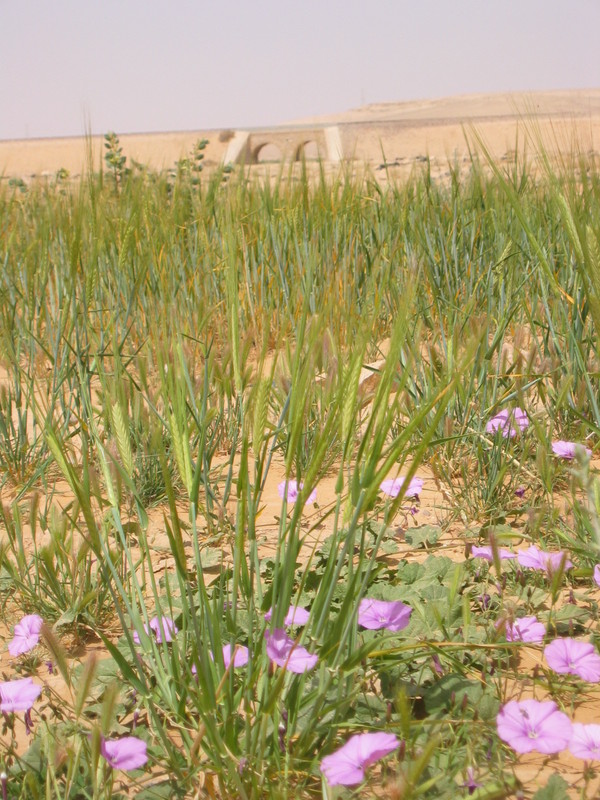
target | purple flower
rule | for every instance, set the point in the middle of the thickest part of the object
(18, 695)
(572, 657)
(126, 753)
(520, 492)
(567, 449)
(392, 487)
(240, 655)
(530, 725)
(296, 615)
(163, 628)
(485, 600)
(347, 765)
(471, 784)
(376, 614)
(505, 421)
(284, 652)
(525, 629)
(27, 635)
(291, 489)
(597, 574)
(534, 558)
(585, 741)
(487, 552)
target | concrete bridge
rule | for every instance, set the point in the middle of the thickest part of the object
(285, 144)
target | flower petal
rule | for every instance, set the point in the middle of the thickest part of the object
(127, 753)
(26, 635)
(18, 695)
(346, 766)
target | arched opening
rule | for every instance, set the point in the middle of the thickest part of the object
(268, 153)
(309, 151)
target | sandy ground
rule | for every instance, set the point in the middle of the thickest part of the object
(396, 134)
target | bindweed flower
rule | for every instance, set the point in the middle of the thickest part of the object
(437, 664)
(530, 725)
(471, 784)
(393, 486)
(19, 695)
(241, 655)
(585, 741)
(296, 615)
(525, 629)
(486, 552)
(289, 490)
(164, 629)
(485, 600)
(505, 421)
(571, 657)
(284, 652)
(376, 614)
(597, 574)
(567, 450)
(126, 753)
(26, 635)
(534, 558)
(346, 767)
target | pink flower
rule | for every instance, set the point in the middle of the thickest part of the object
(530, 725)
(163, 628)
(347, 765)
(486, 552)
(296, 615)
(571, 657)
(291, 489)
(393, 486)
(376, 614)
(585, 741)
(525, 629)
(505, 421)
(284, 652)
(567, 449)
(534, 558)
(126, 753)
(597, 574)
(27, 635)
(18, 695)
(240, 655)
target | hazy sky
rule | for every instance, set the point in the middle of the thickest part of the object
(151, 65)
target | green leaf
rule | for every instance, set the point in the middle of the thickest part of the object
(409, 572)
(156, 791)
(423, 535)
(388, 546)
(67, 618)
(126, 669)
(570, 616)
(450, 690)
(555, 789)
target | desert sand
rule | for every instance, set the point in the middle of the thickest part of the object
(389, 137)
